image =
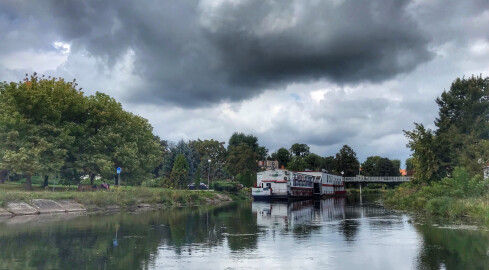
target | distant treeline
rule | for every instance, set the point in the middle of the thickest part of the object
(48, 127)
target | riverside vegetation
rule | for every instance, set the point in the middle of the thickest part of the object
(459, 197)
(448, 162)
(124, 197)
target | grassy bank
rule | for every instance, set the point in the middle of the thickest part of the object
(124, 197)
(456, 198)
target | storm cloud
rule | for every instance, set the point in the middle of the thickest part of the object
(196, 53)
(325, 73)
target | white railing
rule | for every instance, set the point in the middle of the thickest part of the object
(378, 179)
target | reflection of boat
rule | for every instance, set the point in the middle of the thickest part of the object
(283, 214)
(284, 184)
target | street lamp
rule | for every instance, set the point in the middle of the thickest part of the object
(208, 174)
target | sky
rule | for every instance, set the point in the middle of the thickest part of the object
(324, 73)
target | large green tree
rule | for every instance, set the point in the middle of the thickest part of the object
(242, 159)
(379, 166)
(461, 134)
(283, 156)
(48, 127)
(179, 173)
(299, 149)
(347, 162)
(425, 160)
(35, 120)
(330, 164)
(297, 164)
(314, 162)
(215, 152)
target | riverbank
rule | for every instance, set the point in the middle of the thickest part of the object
(14, 202)
(459, 198)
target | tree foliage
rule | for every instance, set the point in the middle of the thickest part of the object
(299, 149)
(347, 162)
(379, 166)
(297, 164)
(179, 173)
(216, 152)
(314, 162)
(241, 159)
(47, 126)
(461, 134)
(283, 157)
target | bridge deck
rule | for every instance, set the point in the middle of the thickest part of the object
(377, 179)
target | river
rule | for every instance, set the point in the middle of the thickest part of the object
(335, 233)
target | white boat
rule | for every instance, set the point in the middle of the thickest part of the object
(271, 184)
(278, 184)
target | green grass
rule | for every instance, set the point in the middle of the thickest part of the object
(123, 196)
(457, 198)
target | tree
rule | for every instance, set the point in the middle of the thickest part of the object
(190, 153)
(297, 164)
(347, 162)
(371, 166)
(330, 164)
(423, 143)
(116, 138)
(379, 166)
(238, 137)
(38, 112)
(463, 122)
(241, 159)
(282, 156)
(47, 127)
(179, 173)
(397, 165)
(216, 152)
(262, 153)
(466, 107)
(409, 165)
(299, 149)
(314, 162)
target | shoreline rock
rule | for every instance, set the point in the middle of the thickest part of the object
(51, 207)
(21, 208)
(5, 213)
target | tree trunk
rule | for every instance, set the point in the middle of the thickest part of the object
(28, 181)
(92, 178)
(46, 181)
(3, 176)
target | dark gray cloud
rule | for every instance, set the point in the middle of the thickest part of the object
(193, 53)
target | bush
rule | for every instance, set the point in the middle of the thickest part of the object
(226, 186)
(151, 183)
(455, 196)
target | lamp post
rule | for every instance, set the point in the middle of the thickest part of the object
(208, 174)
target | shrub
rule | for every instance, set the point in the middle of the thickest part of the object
(226, 186)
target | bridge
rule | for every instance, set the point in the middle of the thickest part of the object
(377, 179)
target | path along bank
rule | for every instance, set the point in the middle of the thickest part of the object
(15, 203)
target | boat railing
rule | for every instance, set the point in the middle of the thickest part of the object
(279, 191)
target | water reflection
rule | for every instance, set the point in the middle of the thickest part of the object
(335, 233)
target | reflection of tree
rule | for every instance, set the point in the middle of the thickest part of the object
(453, 249)
(87, 242)
(349, 229)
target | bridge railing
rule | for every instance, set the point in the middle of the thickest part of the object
(378, 179)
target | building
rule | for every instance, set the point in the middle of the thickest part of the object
(268, 164)
(486, 171)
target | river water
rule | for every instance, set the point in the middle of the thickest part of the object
(335, 233)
